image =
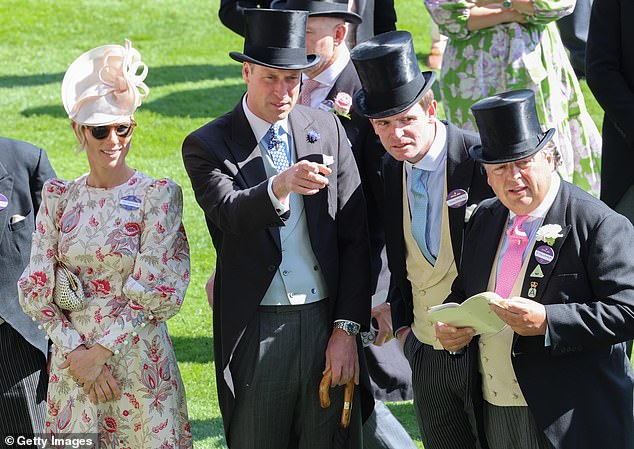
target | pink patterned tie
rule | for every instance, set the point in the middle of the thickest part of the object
(308, 86)
(512, 259)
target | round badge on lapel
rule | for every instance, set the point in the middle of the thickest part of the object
(544, 254)
(457, 198)
(4, 202)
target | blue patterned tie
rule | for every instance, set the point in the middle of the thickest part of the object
(419, 209)
(278, 149)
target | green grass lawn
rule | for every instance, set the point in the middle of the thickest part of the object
(192, 81)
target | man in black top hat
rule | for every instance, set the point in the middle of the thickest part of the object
(398, 99)
(329, 85)
(281, 194)
(558, 375)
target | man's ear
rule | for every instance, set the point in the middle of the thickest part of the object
(373, 126)
(340, 33)
(432, 111)
(246, 72)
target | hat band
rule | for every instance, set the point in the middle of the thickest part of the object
(520, 148)
(396, 96)
(324, 6)
(276, 55)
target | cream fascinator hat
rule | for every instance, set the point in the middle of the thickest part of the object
(103, 85)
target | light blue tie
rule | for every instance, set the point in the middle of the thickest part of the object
(278, 149)
(419, 209)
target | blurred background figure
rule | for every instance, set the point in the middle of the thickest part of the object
(379, 16)
(231, 12)
(23, 347)
(610, 74)
(574, 35)
(610, 64)
(120, 231)
(438, 45)
(516, 45)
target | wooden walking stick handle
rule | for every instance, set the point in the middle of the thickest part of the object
(347, 404)
(324, 386)
(324, 397)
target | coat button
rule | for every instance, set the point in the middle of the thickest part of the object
(316, 268)
(271, 268)
(285, 273)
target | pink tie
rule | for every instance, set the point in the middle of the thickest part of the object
(512, 259)
(308, 86)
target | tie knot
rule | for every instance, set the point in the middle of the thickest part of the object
(516, 231)
(310, 85)
(274, 132)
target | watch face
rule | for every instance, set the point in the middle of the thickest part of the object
(351, 328)
(348, 327)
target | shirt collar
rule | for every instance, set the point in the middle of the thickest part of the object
(541, 210)
(258, 126)
(435, 155)
(329, 76)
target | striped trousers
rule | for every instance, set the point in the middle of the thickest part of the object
(442, 401)
(23, 384)
(278, 366)
(513, 428)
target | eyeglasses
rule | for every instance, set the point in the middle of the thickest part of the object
(122, 130)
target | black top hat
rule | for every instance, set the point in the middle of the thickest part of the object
(509, 128)
(391, 81)
(320, 8)
(275, 38)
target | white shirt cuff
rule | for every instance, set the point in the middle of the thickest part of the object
(280, 207)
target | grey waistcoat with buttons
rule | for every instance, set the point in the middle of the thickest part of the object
(298, 279)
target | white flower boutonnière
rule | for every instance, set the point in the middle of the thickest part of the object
(549, 233)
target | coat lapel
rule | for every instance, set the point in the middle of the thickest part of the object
(459, 175)
(245, 149)
(312, 150)
(248, 157)
(534, 286)
(487, 242)
(393, 174)
(347, 81)
(6, 189)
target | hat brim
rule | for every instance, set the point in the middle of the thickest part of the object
(364, 110)
(348, 16)
(476, 151)
(311, 60)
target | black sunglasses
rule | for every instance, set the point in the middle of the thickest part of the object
(123, 130)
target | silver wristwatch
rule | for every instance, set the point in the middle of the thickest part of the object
(349, 327)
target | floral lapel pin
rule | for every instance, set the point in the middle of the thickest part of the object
(549, 233)
(312, 136)
(342, 104)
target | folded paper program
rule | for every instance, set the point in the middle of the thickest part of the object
(473, 312)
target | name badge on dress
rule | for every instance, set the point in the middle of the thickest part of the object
(130, 202)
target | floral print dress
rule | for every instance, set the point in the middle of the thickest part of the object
(128, 246)
(512, 56)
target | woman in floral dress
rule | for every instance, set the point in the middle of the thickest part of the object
(113, 370)
(497, 46)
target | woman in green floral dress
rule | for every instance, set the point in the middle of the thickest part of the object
(495, 48)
